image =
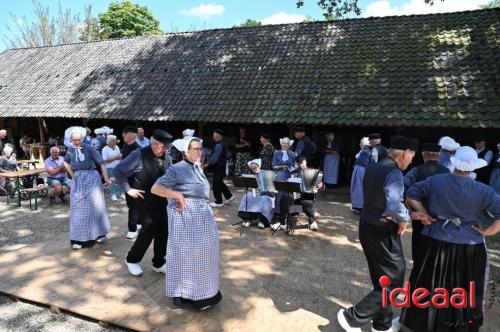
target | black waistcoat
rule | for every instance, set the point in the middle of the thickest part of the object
(153, 167)
(220, 165)
(483, 173)
(373, 191)
(496, 163)
(430, 168)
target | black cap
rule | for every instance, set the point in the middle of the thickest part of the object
(219, 131)
(431, 147)
(374, 136)
(299, 129)
(480, 139)
(130, 129)
(404, 143)
(162, 136)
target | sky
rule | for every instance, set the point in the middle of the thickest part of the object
(188, 15)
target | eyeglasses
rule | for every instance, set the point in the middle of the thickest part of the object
(195, 149)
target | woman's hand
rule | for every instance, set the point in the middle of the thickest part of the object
(423, 217)
(181, 202)
(488, 231)
(108, 181)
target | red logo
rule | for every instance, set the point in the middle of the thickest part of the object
(422, 297)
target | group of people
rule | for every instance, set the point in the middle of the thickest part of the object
(452, 208)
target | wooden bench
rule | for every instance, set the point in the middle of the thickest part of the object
(35, 193)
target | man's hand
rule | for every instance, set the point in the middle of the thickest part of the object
(402, 228)
(135, 193)
(424, 218)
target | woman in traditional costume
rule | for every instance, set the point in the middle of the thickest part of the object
(331, 161)
(358, 173)
(456, 253)
(193, 239)
(243, 154)
(88, 221)
(284, 164)
(255, 204)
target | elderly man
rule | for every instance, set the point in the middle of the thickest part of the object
(56, 174)
(143, 167)
(304, 146)
(483, 174)
(384, 219)
(7, 164)
(141, 139)
(378, 152)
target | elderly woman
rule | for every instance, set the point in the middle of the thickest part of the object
(456, 253)
(7, 164)
(193, 240)
(284, 164)
(358, 173)
(243, 154)
(266, 152)
(331, 161)
(112, 156)
(88, 221)
(256, 206)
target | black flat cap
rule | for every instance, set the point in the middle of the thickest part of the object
(480, 139)
(162, 136)
(219, 131)
(431, 147)
(299, 129)
(374, 136)
(404, 143)
(130, 129)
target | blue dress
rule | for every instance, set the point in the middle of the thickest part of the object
(87, 219)
(283, 175)
(358, 173)
(193, 238)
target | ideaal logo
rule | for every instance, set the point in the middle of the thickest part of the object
(440, 298)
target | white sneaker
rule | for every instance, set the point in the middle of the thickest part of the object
(162, 269)
(229, 200)
(122, 196)
(277, 226)
(246, 223)
(215, 205)
(101, 239)
(313, 226)
(261, 225)
(113, 198)
(396, 325)
(139, 227)
(344, 324)
(134, 268)
(375, 330)
(76, 246)
(132, 235)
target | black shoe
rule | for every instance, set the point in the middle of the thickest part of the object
(179, 301)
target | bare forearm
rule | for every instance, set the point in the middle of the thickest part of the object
(69, 170)
(416, 205)
(163, 191)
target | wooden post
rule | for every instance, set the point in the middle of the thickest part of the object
(41, 130)
(201, 125)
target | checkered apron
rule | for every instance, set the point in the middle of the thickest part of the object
(260, 204)
(192, 251)
(87, 217)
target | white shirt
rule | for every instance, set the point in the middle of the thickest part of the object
(108, 153)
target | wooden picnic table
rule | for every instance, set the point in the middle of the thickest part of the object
(17, 175)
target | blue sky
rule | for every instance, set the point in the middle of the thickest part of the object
(177, 15)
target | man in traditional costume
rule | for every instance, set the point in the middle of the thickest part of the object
(304, 146)
(218, 163)
(378, 152)
(143, 167)
(383, 219)
(483, 174)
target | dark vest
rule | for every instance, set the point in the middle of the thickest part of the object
(152, 168)
(496, 163)
(483, 173)
(220, 165)
(128, 148)
(373, 191)
(430, 168)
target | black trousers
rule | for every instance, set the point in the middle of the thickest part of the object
(132, 213)
(419, 243)
(384, 254)
(152, 215)
(306, 200)
(220, 187)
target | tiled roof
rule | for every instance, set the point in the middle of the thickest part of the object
(422, 70)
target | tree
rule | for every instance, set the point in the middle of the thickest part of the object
(90, 26)
(492, 4)
(45, 30)
(126, 19)
(249, 23)
(339, 8)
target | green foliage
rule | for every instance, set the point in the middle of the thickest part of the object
(126, 19)
(339, 8)
(492, 4)
(249, 23)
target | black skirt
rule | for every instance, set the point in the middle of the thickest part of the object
(449, 266)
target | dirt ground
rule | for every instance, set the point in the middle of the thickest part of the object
(268, 281)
